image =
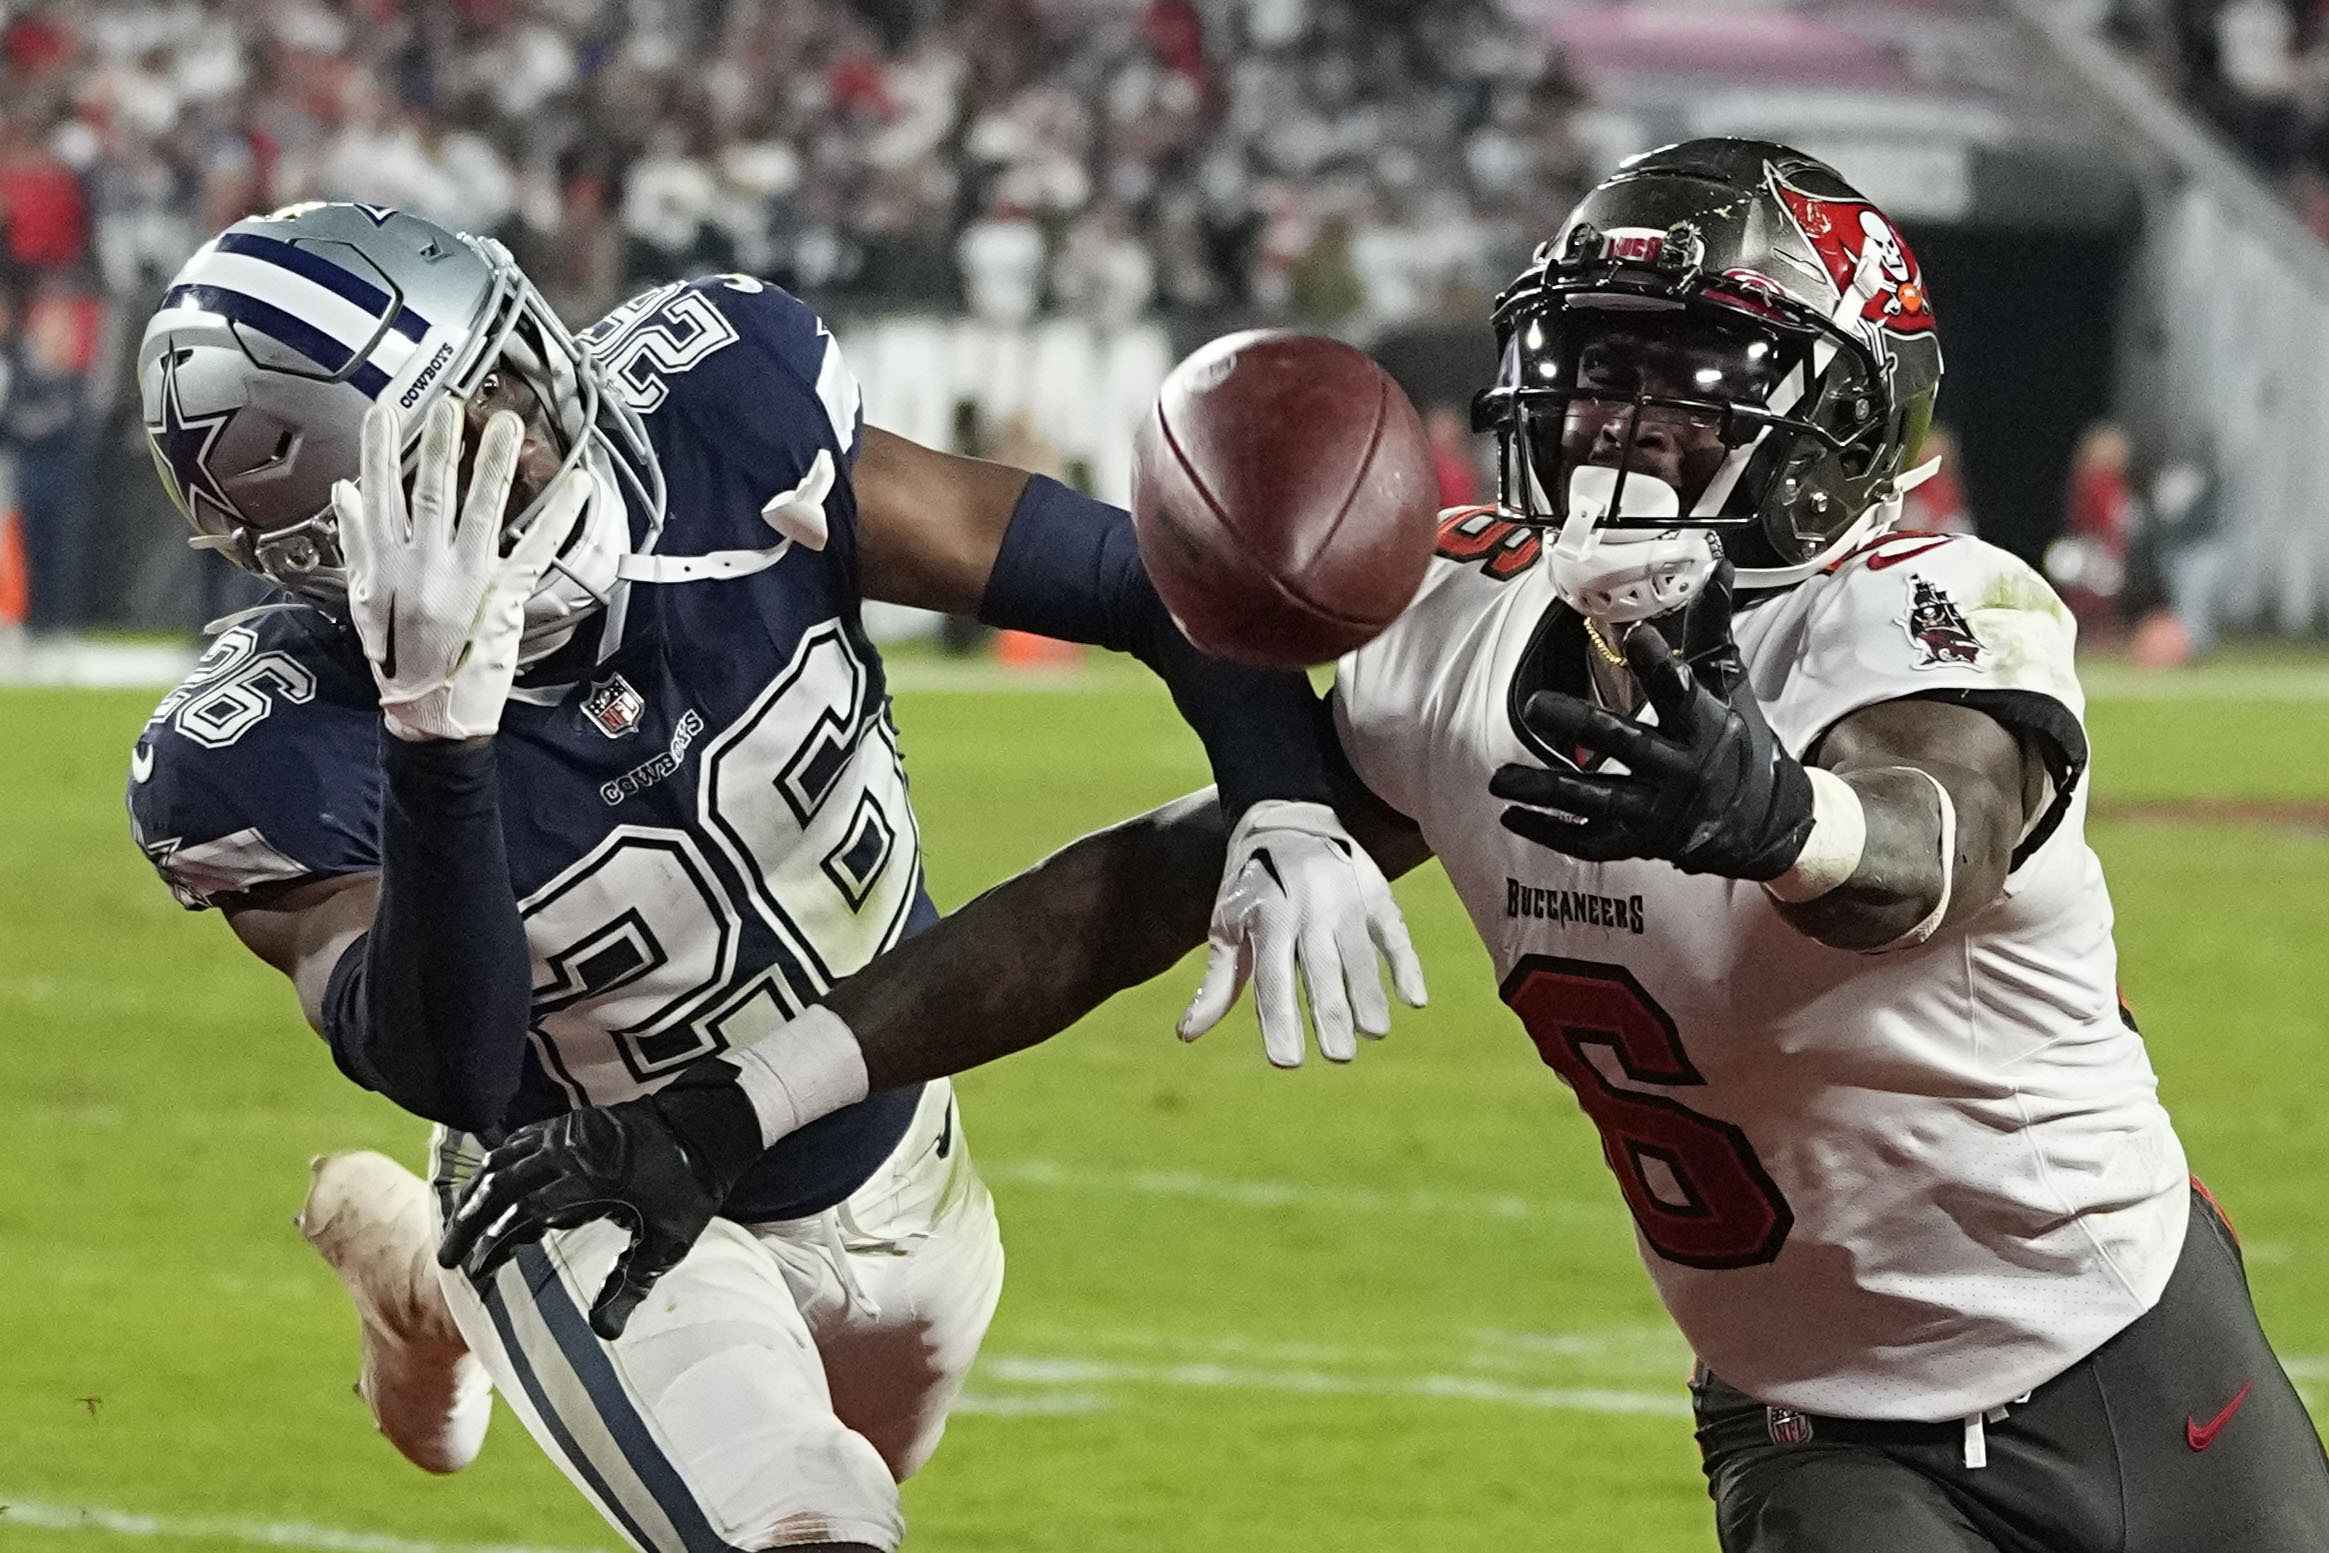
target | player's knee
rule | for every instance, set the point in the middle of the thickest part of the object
(770, 1462)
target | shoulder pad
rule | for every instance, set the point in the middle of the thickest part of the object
(718, 340)
(262, 766)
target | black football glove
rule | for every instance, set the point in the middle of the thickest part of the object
(660, 1166)
(1708, 789)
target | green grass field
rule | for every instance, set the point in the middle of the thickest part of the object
(1390, 1305)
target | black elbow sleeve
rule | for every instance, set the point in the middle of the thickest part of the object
(367, 1046)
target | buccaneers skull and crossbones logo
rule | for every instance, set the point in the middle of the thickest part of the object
(1878, 280)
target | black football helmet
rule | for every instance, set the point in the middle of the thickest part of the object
(1732, 330)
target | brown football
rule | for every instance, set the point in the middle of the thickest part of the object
(1284, 498)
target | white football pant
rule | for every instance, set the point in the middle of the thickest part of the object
(780, 1382)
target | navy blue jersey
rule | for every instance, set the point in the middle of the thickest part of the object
(706, 817)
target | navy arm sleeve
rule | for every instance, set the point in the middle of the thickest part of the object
(1070, 568)
(430, 1007)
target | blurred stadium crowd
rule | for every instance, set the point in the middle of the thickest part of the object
(1353, 165)
(2259, 69)
(1350, 164)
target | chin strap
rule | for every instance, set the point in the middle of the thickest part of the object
(596, 572)
(225, 623)
(1881, 515)
(1917, 476)
(798, 515)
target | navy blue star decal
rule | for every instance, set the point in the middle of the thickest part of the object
(182, 450)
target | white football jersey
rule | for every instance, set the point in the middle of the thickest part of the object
(1907, 1186)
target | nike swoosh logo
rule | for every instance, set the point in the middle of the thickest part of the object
(2200, 1436)
(946, 1135)
(141, 762)
(1884, 558)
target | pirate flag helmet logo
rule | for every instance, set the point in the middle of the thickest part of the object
(1879, 282)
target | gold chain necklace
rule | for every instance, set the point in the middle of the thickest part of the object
(1609, 655)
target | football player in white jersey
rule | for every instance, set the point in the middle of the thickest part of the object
(1772, 820)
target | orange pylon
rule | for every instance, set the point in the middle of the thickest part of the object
(1026, 650)
(14, 592)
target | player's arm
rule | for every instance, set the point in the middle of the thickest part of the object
(1945, 794)
(418, 976)
(1109, 912)
(1026, 553)
(1906, 820)
(1011, 969)
(1036, 953)
(425, 1002)
(1023, 552)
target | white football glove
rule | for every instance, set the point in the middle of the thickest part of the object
(437, 605)
(1299, 891)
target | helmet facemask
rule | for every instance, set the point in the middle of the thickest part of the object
(1652, 432)
(581, 576)
(1736, 325)
(586, 426)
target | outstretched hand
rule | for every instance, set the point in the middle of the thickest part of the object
(1303, 908)
(438, 606)
(1708, 788)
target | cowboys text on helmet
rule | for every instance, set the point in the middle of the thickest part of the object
(278, 335)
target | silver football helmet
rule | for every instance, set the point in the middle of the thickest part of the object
(279, 334)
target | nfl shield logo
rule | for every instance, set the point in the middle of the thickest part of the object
(1787, 1426)
(614, 708)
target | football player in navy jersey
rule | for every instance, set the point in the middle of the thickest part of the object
(564, 776)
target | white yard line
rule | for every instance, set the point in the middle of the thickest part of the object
(1605, 1354)
(2273, 680)
(1291, 1194)
(1079, 1376)
(1043, 1404)
(1004, 1385)
(35, 1515)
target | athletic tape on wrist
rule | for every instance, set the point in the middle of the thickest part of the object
(1932, 920)
(822, 1069)
(1831, 853)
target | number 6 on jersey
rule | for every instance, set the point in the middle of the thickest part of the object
(1697, 1191)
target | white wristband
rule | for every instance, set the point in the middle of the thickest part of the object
(1932, 921)
(1839, 834)
(802, 1070)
